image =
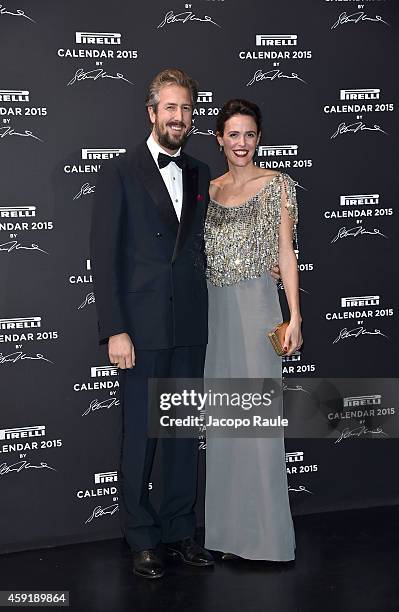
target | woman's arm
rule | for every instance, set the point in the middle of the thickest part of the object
(288, 265)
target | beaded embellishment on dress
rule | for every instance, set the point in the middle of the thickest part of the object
(242, 241)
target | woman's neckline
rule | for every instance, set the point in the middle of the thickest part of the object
(249, 199)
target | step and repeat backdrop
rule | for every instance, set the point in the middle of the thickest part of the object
(73, 79)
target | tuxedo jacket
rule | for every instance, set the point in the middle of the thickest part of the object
(148, 269)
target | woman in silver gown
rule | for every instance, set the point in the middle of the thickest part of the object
(249, 229)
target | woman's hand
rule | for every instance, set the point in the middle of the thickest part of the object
(293, 337)
(275, 273)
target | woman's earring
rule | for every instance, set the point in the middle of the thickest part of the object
(220, 148)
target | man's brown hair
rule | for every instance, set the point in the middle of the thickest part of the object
(170, 76)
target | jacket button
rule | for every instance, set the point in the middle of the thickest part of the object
(158, 235)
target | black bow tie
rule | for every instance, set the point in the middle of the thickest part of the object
(164, 160)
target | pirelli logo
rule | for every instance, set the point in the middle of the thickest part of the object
(276, 40)
(277, 150)
(205, 96)
(359, 200)
(103, 477)
(20, 322)
(101, 153)
(361, 400)
(103, 371)
(10, 212)
(16, 433)
(294, 357)
(362, 300)
(359, 94)
(98, 38)
(14, 95)
(294, 457)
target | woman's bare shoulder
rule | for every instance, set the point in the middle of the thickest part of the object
(269, 174)
(216, 184)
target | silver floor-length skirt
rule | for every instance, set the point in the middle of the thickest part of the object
(247, 509)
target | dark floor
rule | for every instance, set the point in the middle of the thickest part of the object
(346, 561)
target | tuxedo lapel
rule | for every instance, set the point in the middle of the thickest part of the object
(154, 183)
(190, 187)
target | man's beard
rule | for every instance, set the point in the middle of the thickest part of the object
(166, 141)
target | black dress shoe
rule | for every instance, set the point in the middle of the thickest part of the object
(190, 552)
(229, 557)
(147, 564)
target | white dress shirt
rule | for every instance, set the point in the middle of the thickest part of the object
(172, 175)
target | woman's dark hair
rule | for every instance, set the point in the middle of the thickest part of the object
(237, 106)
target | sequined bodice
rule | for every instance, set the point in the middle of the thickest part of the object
(242, 241)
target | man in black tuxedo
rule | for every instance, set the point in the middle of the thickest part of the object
(148, 263)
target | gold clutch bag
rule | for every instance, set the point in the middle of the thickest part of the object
(276, 337)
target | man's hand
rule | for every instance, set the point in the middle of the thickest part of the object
(121, 351)
(275, 272)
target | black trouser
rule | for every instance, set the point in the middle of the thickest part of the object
(143, 527)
